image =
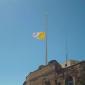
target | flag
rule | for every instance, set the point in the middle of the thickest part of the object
(39, 35)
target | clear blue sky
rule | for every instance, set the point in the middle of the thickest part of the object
(20, 53)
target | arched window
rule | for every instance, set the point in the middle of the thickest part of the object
(69, 81)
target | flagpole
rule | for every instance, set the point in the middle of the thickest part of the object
(46, 40)
(66, 49)
(66, 54)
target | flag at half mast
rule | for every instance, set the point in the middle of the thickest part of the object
(39, 35)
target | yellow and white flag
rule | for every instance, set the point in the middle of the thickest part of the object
(39, 35)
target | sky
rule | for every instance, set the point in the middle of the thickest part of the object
(20, 53)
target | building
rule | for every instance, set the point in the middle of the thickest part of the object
(56, 74)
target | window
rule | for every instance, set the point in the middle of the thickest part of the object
(59, 83)
(55, 82)
(47, 83)
(69, 81)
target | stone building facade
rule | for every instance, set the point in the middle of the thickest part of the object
(55, 74)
